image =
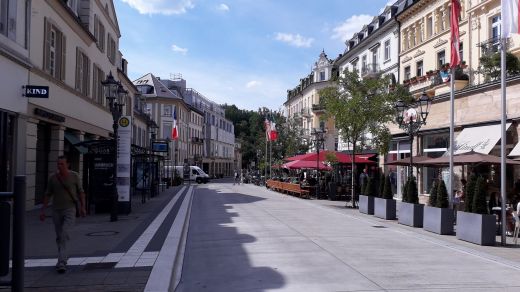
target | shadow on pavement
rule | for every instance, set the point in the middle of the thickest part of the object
(216, 257)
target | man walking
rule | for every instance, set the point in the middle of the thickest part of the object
(66, 191)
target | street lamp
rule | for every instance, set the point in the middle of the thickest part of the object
(411, 121)
(319, 140)
(115, 95)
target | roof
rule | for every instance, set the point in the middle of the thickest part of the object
(160, 90)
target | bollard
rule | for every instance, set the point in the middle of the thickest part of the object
(5, 236)
(18, 233)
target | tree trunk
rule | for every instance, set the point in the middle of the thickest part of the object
(353, 178)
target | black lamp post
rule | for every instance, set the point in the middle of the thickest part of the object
(115, 95)
(319, 140)
(410, 120)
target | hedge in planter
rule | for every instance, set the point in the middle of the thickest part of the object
(478, 227)
(382, 182)
(433, 194)
(442, 196)
(366, 201)
(385, 207)
(410, 211)
(412, 194)
(387, 189)
(470, 191)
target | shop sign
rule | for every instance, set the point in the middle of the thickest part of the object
(36, 91)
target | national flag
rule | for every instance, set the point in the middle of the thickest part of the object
(175, 132)
(267, 126)
(510, 12)
(455, 36)
(273, 134)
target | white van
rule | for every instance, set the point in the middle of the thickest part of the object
(195, 173)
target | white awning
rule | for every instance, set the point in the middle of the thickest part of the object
(515, 151)
(479, 139)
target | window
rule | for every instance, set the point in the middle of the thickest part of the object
(429, 27)
(407, 73)
(82, 72)
(4, 11)
(461, 51)
(364, 63)
(374, 59)
(97, 87)
(387, 50)
(145, 89)
(419, 66)
(54, 51)
(167, 130)
(322, 75)
(99, 33)
(441, 59)
(73, 5)
(167, 110)
(496, 25)
(111, 50)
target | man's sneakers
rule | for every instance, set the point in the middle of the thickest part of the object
(61, 267)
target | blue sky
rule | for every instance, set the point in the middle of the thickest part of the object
(242, 52)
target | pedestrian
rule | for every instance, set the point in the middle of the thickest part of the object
(237, 178)
(66, 191)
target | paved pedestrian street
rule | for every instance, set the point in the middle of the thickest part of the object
(247, 238)
(225, 237)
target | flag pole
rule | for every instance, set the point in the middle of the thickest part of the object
(503, 141)
(270, 159)
(452, 135)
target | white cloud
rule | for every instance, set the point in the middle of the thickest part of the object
(354, 24)
(166, 7)
(294, 39)
(253, 83)
(223, 7)
(178, 49)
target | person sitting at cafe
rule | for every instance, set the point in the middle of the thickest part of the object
(494, 201)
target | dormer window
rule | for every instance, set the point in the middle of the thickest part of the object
(322, 75)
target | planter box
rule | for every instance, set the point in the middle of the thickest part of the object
(476, 228)
(438, 220)
(384, 208)
(411, 214)
(366, 205)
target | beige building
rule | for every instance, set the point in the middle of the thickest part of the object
(303, 103)
(73, 46)
(425, 47)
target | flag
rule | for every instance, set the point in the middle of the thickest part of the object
(175, 132)
(510, 14)
(267, 126)
(455, 36)
(273, 134)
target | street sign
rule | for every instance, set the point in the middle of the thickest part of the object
(36, 91)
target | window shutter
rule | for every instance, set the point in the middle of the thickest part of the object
(46, 45)
(78, 69)
(63, 56)
(87, 76)
(59, 49)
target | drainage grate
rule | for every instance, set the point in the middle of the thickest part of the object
(103, 233)
(378, 226)
(99, 266)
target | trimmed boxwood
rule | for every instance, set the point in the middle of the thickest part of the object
(442, 195)
(479, 198)
(411, 192)
(433, 194)
(387, 189)
(382, 181)
(404, 195)
(470, 192)
(370, 187)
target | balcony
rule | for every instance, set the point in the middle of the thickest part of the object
(305, 112)
(318, 108)
(491, 46)
(370, 71)
(197, 140)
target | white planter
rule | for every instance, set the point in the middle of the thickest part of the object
(438, 220)
(411, 214)
(366, 204)
(385, 208)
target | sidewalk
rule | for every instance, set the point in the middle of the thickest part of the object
(104, 255)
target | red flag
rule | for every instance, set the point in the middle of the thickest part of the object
(455, 36)
(273, 135)
(175, 133)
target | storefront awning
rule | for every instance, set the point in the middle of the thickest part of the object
(479, 139)
(74, 140)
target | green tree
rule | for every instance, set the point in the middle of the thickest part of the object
(470, 192)
(360, 106)
(387, 189)
(490, 65)
(433, 194)
(479, 198)
(442, 195)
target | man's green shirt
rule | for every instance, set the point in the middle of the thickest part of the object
(61, 199)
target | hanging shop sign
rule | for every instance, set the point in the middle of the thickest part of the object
(36, 91)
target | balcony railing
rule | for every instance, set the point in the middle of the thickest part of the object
(491, 46)
(305, 112)
(318, 108)
(197, 140)
(370, 70)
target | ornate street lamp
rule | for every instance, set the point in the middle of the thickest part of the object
(115, 94)
(319, 140)
(411, 121)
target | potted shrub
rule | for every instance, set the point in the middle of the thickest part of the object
(366, 201)
(438, 217)
(410, 211)
(429, 73)
(413, 80)
(385, 206)
(477, 227)
(470, 191)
